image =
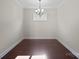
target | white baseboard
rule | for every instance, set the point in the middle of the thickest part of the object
(74, 52)
(39, 38)
(9, 49)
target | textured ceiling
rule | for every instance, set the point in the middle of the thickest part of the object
(44, 3)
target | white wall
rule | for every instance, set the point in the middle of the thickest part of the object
(10, 24)
(40, 30)
(68, 24)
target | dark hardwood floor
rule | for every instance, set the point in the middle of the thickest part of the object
(52, 48)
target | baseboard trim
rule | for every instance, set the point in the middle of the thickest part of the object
(39, 38)
(74, 52)
(9, 49)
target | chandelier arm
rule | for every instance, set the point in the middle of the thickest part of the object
(39, 4)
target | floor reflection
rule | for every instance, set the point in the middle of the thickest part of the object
(32, 57)
(39, 57)
(22, 57)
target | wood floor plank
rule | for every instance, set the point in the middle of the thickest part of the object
(51, 47)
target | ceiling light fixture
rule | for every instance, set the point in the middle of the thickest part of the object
(40, 11)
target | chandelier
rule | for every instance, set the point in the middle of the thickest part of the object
(40, 11)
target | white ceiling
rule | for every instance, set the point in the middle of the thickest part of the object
(45, 3)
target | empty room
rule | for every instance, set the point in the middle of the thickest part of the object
(39, 29)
